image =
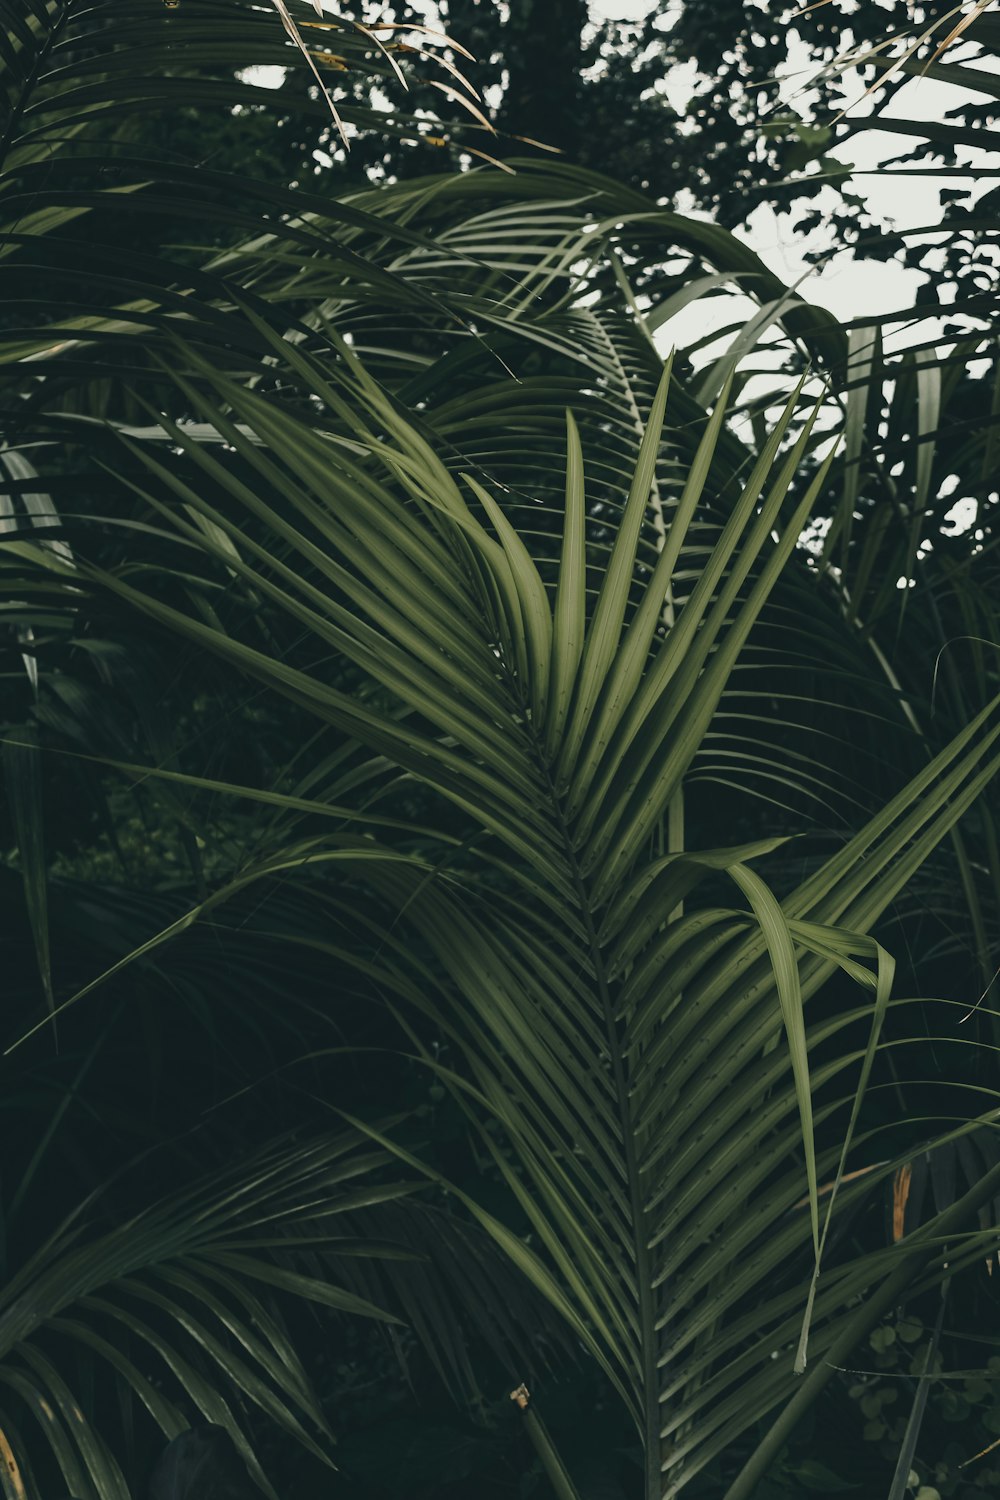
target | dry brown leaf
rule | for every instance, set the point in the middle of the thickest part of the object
(14, 1482)
(394, 65)
(529, 140)
(898, 63)
(900, 1195)
(293, 32)
(467, 104)
(962, 26)
(493, 160)
(442, 62)
(442, 36)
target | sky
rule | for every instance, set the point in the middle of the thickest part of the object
(848, 288)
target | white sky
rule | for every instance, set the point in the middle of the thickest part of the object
(847, 287)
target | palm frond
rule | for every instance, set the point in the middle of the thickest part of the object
(597, 1028)
(174, 1302)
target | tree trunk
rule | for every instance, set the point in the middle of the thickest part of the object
(544, 48)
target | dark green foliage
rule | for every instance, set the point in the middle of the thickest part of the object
(383, 816)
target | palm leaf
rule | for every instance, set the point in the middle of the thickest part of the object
(598, 1033)
(176, 1282)
(549, 649)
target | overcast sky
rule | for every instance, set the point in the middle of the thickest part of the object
(848, 288)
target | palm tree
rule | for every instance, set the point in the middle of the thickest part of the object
(380, 461)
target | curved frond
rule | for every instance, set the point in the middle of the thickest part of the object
(603, 993)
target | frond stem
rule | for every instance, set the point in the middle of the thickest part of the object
(643, 1271)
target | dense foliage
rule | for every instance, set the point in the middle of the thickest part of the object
(501, 851)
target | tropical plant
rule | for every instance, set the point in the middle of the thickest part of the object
(191, 1263)
(589, 1008)
(488, 589)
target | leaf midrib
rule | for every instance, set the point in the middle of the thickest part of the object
(643, 1270)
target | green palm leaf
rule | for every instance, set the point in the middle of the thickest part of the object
(177, 1284)
(539, 629)
(663, 1132)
